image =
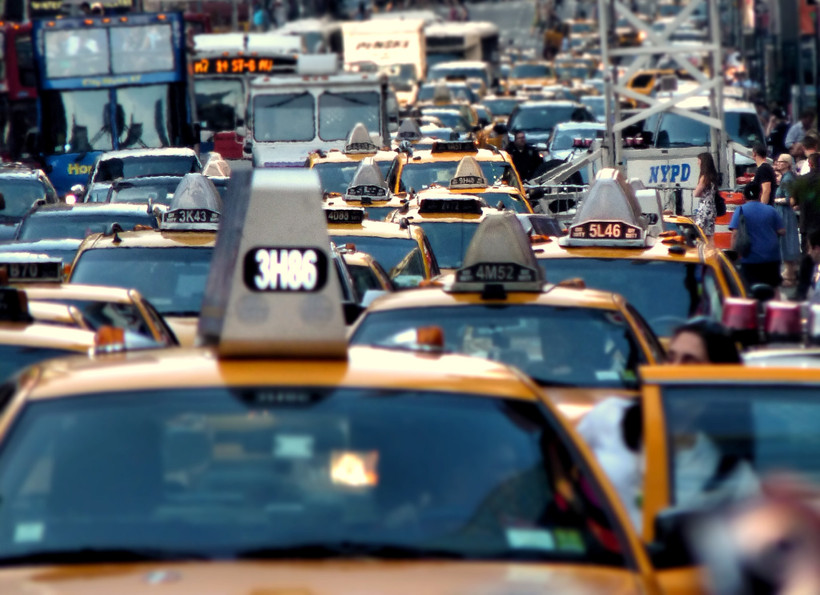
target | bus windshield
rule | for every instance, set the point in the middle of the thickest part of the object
(219, 103)
(339, 112)
(73, 122)
(284, 117)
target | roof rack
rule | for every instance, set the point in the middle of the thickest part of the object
(610, 215)
(409, 130)
(196, 206)
(272, 290)
(499, 259)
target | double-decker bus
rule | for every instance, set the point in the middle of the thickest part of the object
(223, 64)
(108, 83)
(18, 92)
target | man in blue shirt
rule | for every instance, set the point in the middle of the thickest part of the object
(764, 225)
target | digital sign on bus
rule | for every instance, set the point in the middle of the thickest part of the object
(244, 65)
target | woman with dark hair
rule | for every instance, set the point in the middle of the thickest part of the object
(706, 191)
(702, 341)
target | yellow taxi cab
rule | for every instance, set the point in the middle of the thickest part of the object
(469, 179)
(86, 307)
(448, 220)
(610, 246)
(368, 275)
(336, 168)
(741, 423)
(368, 190)
(403, 250)
(530, 73)
(644, 81)
(579, 345)
(274, 459)
(169, 265)
(415, 170)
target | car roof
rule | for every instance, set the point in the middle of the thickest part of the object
(364, 368)
(90, 208)
(150, 238)
(161, 152)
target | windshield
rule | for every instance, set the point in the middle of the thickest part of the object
(457, 91)
(220, 103)
(688, 289)
(402, 76)
(401, 258)
(284, 117)
(459, 72)
(159, 193)
(511, 201)
(597, 349)
(741, 433)
(449, 240)
(544, 118)
(532, 71)
(743, 128)
(145, 119)
(14, 358)
(55, 225)
(566, 73)
(76, 122)
(172, 279)
(336, 176)
(501, 107)
(146, 165)
(421, 174)
(328, 473)
(680, 131)
(19, 195)
(450, 118)
(340, 112)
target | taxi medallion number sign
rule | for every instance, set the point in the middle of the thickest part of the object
(605, 230)
(495, 271)
(286, 270)
(367, 190)
(191, 216)
(33, 271)
(344, 215)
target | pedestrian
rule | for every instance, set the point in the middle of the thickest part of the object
(806, 193)
(261, 18)
(776, 131)
(798, 153)
(525, 158)
(706, 191)
(613, 429)
(800, 128)
(785, 206)
(763, 226)
(809, 144)
(764, 179)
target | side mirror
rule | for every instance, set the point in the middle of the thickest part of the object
(247, 147)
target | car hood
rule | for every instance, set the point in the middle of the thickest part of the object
(8, 229)
(317, 578)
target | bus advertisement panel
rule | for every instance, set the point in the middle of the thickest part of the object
(108, 83)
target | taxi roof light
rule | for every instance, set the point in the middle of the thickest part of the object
(609, 215)
(409, 130)
(359, 141)
(499, 259)
(272, 290)
(195, 206)
(368, 184)
(468, 175)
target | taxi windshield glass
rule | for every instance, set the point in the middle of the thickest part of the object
(721, 439)
(283, 473)
(19, 195)
(401, 258)
(14, 358)
(172, 279)
(58, 225)
(596, 347)
(449, 240)
(687, 288)
(421, 174)
(336, 176)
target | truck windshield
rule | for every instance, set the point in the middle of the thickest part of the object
(339, 112)
(284, 117)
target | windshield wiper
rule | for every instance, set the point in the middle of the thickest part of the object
(348, 549)
(99, 555)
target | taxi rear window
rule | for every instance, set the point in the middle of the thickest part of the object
(419, 175)
(289, 472)
(666, 293)
(556, 346)
(172, 279)
(401, 258)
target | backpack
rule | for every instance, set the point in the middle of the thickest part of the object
(743, 243)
